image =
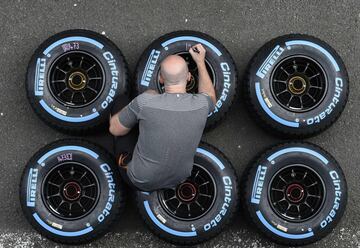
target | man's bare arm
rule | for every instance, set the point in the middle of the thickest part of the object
(122, 122)
(116, 128)
(205, 84)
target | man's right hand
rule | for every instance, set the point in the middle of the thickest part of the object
(205, 84)
(199, 54)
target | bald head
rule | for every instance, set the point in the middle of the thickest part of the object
(174, 70)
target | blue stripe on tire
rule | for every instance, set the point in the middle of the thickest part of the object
(268, 111)
(298, 149)
(280, 233)
(165, 228)
(61, 233)
(73, 39)
(192, 38)
(211, 156)
(67, 148)
(316, 46)
(67, 118)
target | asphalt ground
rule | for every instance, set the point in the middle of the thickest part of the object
(242, 26)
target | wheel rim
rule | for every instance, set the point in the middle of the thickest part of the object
(191, 199)
(76, 79)
(296, 193)
(192, 85)
(298, 84)
(70, 190)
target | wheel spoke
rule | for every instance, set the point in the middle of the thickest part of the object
(178, 206)
(61, 203)
(95, 78)
(81, 61)
(305, 174)
(89, 197)
(317, 74)
(81, 206)
(171, 198)
(314, 196)
(207, 182)
(288, 103)
(311, 97)
(61, 92)
(279, 81)
(295, 66)
(281, 200)
(83, 175)
(49, 196)
(62, 177)
(89, 185)
(54, 184)
(188, 208)
(281, 92)
(205, 195)
(72, 97)
(301, 102)
(202, 208)
(92, 89)
(283, 179)
(306, 67)
(65, 72)
(282, 68)
(311, 185)
(293, 174)
(58, 81)
(82, 94)
(280, 190)
(197, 174)
(70, 63)
(307, 204)
(91, 67)
(288, 207)
(316, 87)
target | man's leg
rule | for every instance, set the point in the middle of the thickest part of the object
(123, 161)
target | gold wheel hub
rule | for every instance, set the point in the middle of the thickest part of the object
(77, 80)
(297, 85)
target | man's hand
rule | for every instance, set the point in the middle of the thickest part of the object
(205, 84)
(198, 54)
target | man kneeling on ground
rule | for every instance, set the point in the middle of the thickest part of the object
(170, 125)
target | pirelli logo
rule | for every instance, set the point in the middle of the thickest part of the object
(39, 76)
(149, 68)
(258, 184)
(269, 61)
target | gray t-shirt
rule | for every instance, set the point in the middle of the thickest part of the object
(170, 129)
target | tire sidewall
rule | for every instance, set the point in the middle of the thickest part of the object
(224, 67)
(326, 218)
(103, 50)
(262, 67)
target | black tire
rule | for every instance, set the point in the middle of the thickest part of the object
(180, 228)
(316, 102)
(268, 197)
(217, 57)
(96, 176)
(79, 100)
